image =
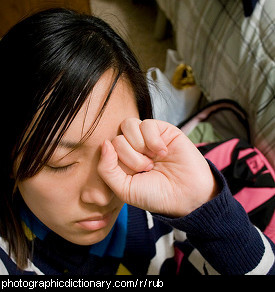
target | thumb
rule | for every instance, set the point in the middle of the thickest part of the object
(110, 171)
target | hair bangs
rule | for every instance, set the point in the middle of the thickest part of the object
(59, 104)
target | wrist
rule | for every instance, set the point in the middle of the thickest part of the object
(206, 189)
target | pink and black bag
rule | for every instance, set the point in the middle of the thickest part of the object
(250, 176)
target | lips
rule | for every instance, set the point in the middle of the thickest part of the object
(96, 223)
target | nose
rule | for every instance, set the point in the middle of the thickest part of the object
(97, 192)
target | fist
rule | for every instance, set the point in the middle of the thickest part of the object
(152, 165)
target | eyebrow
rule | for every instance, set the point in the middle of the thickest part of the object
(70, 144)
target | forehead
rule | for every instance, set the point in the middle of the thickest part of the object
(121, 105)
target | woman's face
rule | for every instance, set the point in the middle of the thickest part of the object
(68, 195)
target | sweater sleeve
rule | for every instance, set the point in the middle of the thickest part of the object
(224, 235)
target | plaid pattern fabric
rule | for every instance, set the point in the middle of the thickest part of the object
(232, 56)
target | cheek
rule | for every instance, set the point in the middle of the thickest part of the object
(52, 201)
(42, 190)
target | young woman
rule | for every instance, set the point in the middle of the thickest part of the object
(90, 183)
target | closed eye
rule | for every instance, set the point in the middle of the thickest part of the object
(60, 168)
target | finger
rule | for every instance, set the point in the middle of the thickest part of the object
(130, 157)
(152, 137)
(110, 171)
(131, 131)
(168, 132)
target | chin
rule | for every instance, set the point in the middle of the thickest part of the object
(90, 238)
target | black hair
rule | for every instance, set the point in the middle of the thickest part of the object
(49, 63)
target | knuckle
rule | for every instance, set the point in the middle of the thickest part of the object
(117, 141)
(146, 122)
(152, 134)
(148, 126)
(129, 123)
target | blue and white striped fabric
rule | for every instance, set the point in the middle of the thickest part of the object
(232, 56)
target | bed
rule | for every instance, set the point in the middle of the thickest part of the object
(231, 49)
